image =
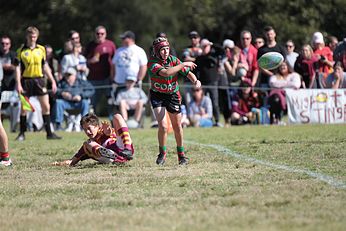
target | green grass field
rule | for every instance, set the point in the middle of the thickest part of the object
(239, 178)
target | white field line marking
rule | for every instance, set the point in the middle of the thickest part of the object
(325, 178)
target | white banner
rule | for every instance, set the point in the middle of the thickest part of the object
(324, 106)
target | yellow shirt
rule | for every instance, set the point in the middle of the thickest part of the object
(32, 61)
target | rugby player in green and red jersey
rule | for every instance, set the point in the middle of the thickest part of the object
(163, 70)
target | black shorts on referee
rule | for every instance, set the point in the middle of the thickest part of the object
(34, 86)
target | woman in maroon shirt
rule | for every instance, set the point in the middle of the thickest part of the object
(306, 65)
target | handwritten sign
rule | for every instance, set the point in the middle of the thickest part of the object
(324, 106)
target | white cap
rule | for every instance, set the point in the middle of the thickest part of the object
(317, 37)
(71, 71)
(228, 43)
(205, 42)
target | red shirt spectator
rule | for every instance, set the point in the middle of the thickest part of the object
(325, 55)
(99, 54)
(248, 54)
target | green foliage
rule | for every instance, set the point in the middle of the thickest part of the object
(216, 20)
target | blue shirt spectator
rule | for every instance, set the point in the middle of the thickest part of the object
(73, 93)
(200, 109)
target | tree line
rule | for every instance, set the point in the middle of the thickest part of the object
(214, 19)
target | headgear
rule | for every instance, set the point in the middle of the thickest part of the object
(159, 43)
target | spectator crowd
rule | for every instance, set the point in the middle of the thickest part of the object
(83, 77)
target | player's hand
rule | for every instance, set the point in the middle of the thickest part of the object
(106, 127)
(191, 65)
(198, 84)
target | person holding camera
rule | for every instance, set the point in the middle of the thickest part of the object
(325, 56)
(207, 73)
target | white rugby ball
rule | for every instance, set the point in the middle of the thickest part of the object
(270, 60)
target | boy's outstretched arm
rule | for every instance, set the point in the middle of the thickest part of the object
(74, 161)
(62, 163)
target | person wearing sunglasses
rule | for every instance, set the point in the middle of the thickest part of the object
(99, 54)
(190, 53)
(259, 42)
(291, 55)
(248, 57)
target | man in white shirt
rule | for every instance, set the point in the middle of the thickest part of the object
(129, 60)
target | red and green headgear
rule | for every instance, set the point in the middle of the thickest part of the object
(159, 43)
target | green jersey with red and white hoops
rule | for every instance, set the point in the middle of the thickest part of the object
(167, 85)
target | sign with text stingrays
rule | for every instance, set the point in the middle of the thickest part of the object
(323, 106)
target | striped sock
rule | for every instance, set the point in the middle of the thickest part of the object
(4, 156)
(125, 137)
(163, 150)
(180, 151)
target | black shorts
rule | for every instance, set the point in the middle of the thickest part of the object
(172, 102)
(34, 86)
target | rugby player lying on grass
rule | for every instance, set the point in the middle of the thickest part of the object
(102, 144)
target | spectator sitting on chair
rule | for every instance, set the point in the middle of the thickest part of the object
(4, 155)
(285, 78)
(185, 122)
(8, 83)
(337, 79)
(131, 100)
(200, 109)
(73, 93)
(243, 104)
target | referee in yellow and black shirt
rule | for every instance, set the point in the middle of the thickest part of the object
(31, 80)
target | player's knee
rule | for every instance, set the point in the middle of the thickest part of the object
(163, 127)
(177, 128)
(117, 117)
